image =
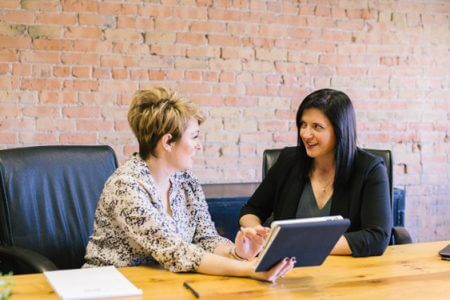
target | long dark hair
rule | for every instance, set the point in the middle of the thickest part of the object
(338, 108)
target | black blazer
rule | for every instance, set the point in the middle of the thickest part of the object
(364, 199)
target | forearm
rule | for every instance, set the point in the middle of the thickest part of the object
(342, 247)
(224, 250)
(214, 264)
(249, 220)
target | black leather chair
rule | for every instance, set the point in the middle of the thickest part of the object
(48, 197)
(399, 234)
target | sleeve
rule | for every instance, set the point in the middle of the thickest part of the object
(206, 235)
(149, 231)
(261, 203)
(375, 215)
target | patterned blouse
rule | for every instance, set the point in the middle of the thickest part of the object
(132, 227)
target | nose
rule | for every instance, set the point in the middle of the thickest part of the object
(198, 146)
(306, 132)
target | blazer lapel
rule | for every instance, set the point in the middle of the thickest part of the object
(290, 195)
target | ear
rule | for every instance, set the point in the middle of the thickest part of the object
(166, 141)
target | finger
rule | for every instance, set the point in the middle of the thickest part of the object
(263, 231)
(273, 273)
(286, 268)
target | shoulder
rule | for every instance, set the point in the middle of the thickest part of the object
(131, 174)
(187, 181)
(365, 161)
(288, 155)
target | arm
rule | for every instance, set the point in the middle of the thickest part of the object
(218, 265)
(250, 220)
(148, 230)
(375, 215)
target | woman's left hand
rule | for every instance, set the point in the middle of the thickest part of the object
(250, 241)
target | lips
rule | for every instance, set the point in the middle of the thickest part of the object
(309, 145)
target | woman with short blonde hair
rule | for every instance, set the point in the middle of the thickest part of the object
(153, 210)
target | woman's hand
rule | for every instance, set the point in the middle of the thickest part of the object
(279, 270)
(250, 241)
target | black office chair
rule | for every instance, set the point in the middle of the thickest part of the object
(48, 197)
(399, 234)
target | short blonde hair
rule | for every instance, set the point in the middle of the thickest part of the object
(156, 112)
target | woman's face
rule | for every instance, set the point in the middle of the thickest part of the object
(185, 149)
(317, 134)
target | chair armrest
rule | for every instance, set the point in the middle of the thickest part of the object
(24, 261)
(401, 236)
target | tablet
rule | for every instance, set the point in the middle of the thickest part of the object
(445, 253)
(310, 240)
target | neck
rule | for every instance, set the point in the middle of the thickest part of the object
(161, 172)
(324, 165)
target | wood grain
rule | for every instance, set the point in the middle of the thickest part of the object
(412, 271)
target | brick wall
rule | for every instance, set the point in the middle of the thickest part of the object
(68, 70)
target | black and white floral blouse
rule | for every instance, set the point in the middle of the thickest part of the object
(132, 228)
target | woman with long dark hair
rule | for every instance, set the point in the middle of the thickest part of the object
(327, 174)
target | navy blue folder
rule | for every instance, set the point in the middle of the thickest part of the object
(309, 240)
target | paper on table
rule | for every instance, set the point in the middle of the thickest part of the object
(91, 283)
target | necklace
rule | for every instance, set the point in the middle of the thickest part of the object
(325, 187)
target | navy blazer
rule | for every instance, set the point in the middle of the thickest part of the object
(364, 199)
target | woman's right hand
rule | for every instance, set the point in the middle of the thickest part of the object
(277, 271)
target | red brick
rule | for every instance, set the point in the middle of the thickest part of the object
(96, 20)
(81, 72)
(83, 33)
(118, 85)
(207, 26)
(40, 84)
(77, 85)
(119, 74)
(138, 74)
(54, 125)
(4, 69)
(95, 125)
(8, 56)
(190, 38)
(80, 59)
(38, 138)
(118, 61)
(171, 25)
(133, 22)
(61, 71)
(45, 5)
(117, 9)
(81, 112)
(92, 46)
(187, 12)
(160, 75)
(128, 35)
(223, 40)
(155, 10)
(10, 4)
(56, 19)
(78, 138)
(55, 44)
(175, 50)
(17, 17)
(79, 6)
(48, 97)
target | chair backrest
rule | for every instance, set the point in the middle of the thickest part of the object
(270, 156)
(48, 197)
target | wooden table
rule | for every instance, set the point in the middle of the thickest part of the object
(404, 272)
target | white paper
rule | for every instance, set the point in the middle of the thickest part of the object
(91, 283)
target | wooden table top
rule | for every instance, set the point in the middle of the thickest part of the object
(412, 271)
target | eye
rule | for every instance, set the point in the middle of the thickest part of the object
(303, 125)
(318, 127)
